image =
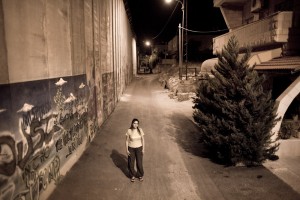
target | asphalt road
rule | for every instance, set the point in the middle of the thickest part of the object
(174, 166)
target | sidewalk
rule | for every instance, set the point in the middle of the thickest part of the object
(287, 169)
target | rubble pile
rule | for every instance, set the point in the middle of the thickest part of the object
(180, 89)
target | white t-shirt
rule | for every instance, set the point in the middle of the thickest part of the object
(135, 138)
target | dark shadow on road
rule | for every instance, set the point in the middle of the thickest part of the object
(187, 135)
(120, 161)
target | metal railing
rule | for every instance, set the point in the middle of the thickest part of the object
(185, 72)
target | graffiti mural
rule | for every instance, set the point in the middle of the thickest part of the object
(47, 136)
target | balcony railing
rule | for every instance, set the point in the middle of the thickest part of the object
(268, 31)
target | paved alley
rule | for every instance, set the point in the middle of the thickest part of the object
(174, 166)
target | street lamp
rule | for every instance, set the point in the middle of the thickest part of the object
(180, 29)
(147, 43)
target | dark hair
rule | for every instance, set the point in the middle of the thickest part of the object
(131, 126)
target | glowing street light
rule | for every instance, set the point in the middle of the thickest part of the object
(147, 43)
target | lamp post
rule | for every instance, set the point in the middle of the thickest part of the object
(148, 44)
(180, 37)
(149, 62)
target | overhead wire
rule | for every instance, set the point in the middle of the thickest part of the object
(189, 30)
(166, 22)
(216, 31)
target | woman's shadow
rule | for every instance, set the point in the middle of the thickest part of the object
(120, 161)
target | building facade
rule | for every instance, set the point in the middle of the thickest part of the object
(272, 29)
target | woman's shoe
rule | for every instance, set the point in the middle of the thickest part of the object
(132, 179)
(141, 179)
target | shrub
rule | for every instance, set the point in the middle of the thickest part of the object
(288, 129)
(233, 111)
(285, 131)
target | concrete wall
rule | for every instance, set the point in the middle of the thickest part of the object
(64, 65)
(173, 45)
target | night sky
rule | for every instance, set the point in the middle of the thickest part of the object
(150, 17)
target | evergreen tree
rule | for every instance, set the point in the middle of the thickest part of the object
(235, 114)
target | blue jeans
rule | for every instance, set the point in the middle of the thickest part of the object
(135, 155)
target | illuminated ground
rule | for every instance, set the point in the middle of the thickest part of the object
(174, 165)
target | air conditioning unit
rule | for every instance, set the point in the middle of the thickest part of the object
(256, 5)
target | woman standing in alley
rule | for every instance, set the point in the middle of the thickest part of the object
(135, 147)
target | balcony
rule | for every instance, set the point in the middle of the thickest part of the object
(263, 33)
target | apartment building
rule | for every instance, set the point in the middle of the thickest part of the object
(272, 29)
